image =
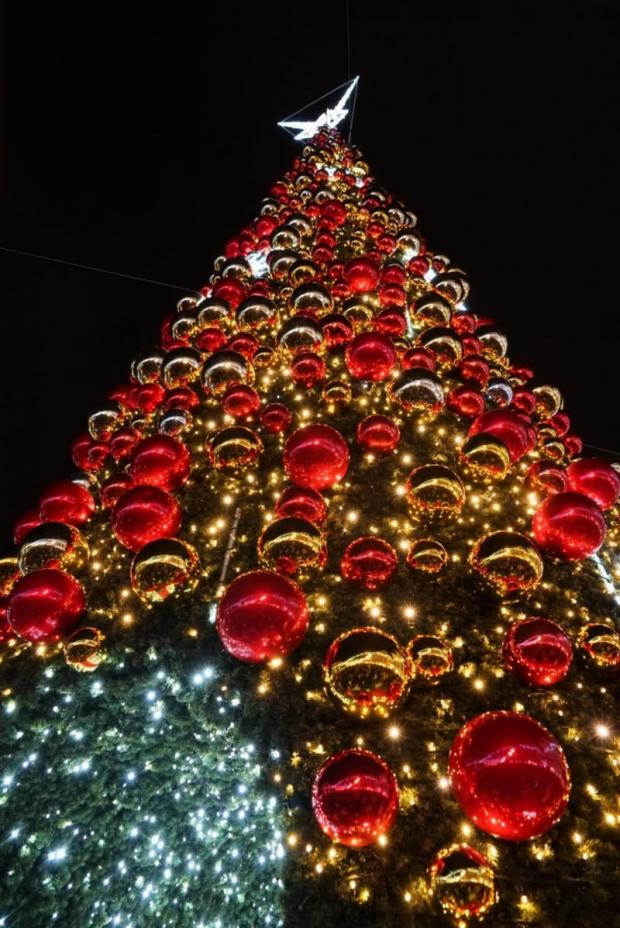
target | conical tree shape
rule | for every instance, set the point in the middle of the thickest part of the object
(325, 535)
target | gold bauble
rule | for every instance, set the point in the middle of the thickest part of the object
(163, 568)
(213, 311)
(285, 237)
(494, 343)
(224, 369)
(83, 649)
(463, 882)
(358, 312)
(9, 574)
(548, 401)
(53, 544)
(311, 296)
(338, 392)
(181, 367)
(444, 344)
(300, 333)
(435, 490)
(102, 424)
(601, 645)
(292, 546)
(430, 657)
(184, 327)
(147, 368)
(175, 422)
(257, 312)
(427, 555)
(234, 447)
(485, 457)
(508, 561)
(418, 390)
(367, 671)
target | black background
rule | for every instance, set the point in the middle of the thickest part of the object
(140, 138)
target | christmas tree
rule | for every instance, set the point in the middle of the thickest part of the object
(323, 631)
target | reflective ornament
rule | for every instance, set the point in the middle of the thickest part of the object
(263, 356)
(175, 422)
(240, 401)
(144, 514)
(361, 275)
(506, 425)
(498, 393)
(466, 400)
(547, 477)
(427, 555)
(307, 369)
(418, 357)
(182, 366)
(463, 882)
(537, 651)
(443, 344)
(432, 309)
(53, 544)
(507, 561)
(337, 330)
(256, 313)
(367, 671)
(435, 490)
(160, 461)
(596, 479)
(24, 523)
(276, 418)
(357, 312)
(300, 333)
(210, 340)
(485, 457)
(369, 562)
(9, 574)
(163, 568)
(370, 356)
(301, 503)
(548, 401)
(355, 798)
(262, 615)
(418, 390)
(235, 447)
(243, 343)
(312, 297)
(601, 645)
(569, 526)
(378, 433)
(147, 368)
(337, 392)
(103, 423)
(494, 344)
(223, 369)
(123, 442)
(66, 501)
(475, 369)
(316, 456)
(45, 605)
(430, 657)
(509, 775)
(83, 649)
(292, 546)
(114, 487)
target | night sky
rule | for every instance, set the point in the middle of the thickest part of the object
(141, 143)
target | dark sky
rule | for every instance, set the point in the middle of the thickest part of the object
(140, 143)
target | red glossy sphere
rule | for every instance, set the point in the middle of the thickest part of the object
(240, 401)
(510, 775)
(210, 340)
(418, 357)
(307, 369)
(561, 423)
(596, 479)
(378, 433)
(370, 356)
(370, 562)
(144, 514)
(276, 417)
(466, 400)
(506, 425)
(123, 442)
(181, 398)
(337, 330)
(302, 503)
(244, 343)
(160, 461)
(547, 477)
(524, 401)
(537, 651)
(261, 615)
(113, 488)
(391, 321)
(230, 289)
(355, 797)
(148, 396)
(569, 526)
(88, 454)
(573, 445)
(476, 369)
(45, 605)
(24, 524)
(67, 502)
(316, 456)
(361, 275)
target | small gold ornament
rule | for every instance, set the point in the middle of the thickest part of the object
(435, 490)
(463, 882)
(223, 369)
(300, 333)
(102, 424)
(358, 312)
(53, 544)
(235, 447)
(337, 392)
(444, 344)
(147, 368)
(494, 343)
(9, 573)
(264, 356)
(485, 457)
(430, 656)
(427, 555)
(508, 561)
(418, 390)
(432, 309)
(181, 367)
(367, 671)
(292, 546)
(83, 651)
(601, 645)
(549, 401)
(164, 568)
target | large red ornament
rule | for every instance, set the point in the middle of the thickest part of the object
(596, 479)
(569, 526)
(467, 400)
(510, 775)
(316, 456)
(537, 651)
(378, 433)
(160, 461)
(302, 503)
(24, 524)
(355, 797)
(369, 562)
(506, 425)
(240, 401)
(262, 615)
(276, 417)
(67, 502)
(45, 605)
(361, 275)
(144, 514)
(370, 356)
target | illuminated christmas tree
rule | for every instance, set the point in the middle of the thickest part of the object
(338, 585)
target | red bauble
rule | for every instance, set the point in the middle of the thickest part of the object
(230, 289)
(537, 651)
(378, 433)
(210, 340)
(302, 503)
(67, 502)
(240, 401)
(160, 461)
(24, 524)
(369, 562)
(418, 357)
(391, 321)
(475, 369)
(547, 477)
(361, 275)
(113, 488)
(467, 400)
(261, 615)
(573, 445)
(316, 456)
(45, 605)
(524, 401)
(148, 396)
(510, 775)
(506, 425)
(370, 356)
(88, 454)
(123, 442)
(181, 398)
(596, 479)
(145, 514)
(569, 526)
(276, 418)
(307, 369)
(355, 797)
